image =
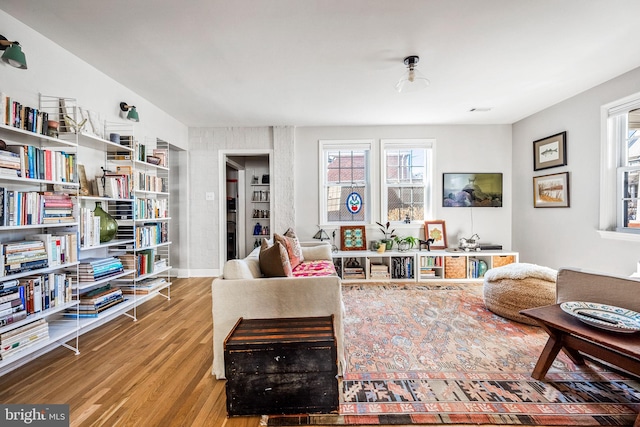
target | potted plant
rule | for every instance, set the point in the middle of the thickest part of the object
(388, 235)
(406, 243)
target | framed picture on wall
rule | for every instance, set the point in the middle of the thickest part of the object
(353, 238)
(551, 191)
(436, 230)
(550, 152)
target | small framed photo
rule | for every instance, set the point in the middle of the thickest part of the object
(353, 238)
(551, 191)
(550, 152)
(436, 230)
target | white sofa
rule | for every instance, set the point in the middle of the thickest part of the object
(243, 292)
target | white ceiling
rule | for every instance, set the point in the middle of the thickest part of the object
(335, 62)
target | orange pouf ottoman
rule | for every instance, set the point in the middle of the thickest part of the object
(518, 286)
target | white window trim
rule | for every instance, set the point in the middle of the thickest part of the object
(424, 143)
(609, 157)
(357, 144)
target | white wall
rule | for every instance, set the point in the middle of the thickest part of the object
(458, 149)
(54, 71)
(560, 237)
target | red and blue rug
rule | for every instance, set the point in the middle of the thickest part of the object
(420, 354)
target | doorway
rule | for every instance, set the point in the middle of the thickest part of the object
(246, 212)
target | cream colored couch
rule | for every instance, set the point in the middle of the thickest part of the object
(242, 292)
(574, 284)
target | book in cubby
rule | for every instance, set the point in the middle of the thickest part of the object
(379, 271)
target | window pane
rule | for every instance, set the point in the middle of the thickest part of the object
(337, 209)
(630, 214)
(403, 202)
(346, 167)
(405, 166)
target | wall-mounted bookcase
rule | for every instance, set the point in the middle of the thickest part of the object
(70, 283)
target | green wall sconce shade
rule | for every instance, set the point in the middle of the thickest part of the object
(132, 113)
(13, 54)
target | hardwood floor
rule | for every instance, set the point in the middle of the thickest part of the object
(152, 372)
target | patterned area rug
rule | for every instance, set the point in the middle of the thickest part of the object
(433, 354)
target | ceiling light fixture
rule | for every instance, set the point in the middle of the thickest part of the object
(412, 80)
(132, 112)
(13, 54)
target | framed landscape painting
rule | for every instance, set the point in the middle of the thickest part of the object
(551, 191)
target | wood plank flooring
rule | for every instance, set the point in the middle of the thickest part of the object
(152, 372)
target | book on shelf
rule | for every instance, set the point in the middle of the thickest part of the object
(92, 269)
(144, 287)
(22, 337)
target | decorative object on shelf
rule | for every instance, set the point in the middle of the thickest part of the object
(73, 125)
(412, 80)
(436, 230)
(381, 247)
(551, 191)
(388, 235)
(265, 178)
(550, 152)
(13, 54)
(472, 190)
(405, 243)
(427, 242)
(255, 180)
(469, 244)
(115, 138)
(353, 238)
(52, 128)
(334, 248)
(132, 113)
(321, 235)
(108, 225)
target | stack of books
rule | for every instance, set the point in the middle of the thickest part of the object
(96, 301)
(58, 208)
(93, 269)
(9, 163)
(18, 339)
(12, 302)
(24, 255)
(353, 273)
(144, 287)
(379, 271)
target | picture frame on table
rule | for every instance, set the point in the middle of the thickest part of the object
(437, 231)
(353, 238)
(550, 152)
(551, 191)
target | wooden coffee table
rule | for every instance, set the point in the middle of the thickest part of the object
(569, 334)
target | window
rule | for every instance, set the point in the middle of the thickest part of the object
(346, 182)
(627, 127)
(406, 180)
(620, 169)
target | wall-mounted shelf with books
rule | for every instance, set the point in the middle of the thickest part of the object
(104, 162)
(38, 230)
